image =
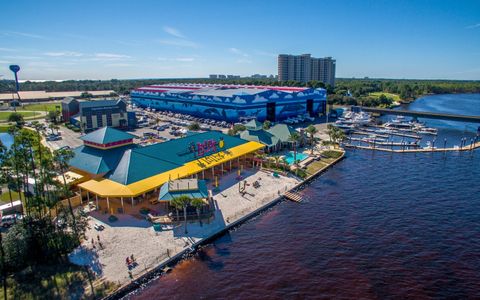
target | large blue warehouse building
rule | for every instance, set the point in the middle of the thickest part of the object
(233, 102)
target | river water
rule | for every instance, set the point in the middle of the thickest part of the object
(377, 225)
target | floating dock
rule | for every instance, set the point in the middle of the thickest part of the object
(470, 147)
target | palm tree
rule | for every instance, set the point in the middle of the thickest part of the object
(277, 160)
(198, 204)
(177, 206)
(157, 120)
(284, 163)
(311, 130)
(294, 138)
(331, 131)
(183, 202)
(61, 157)
(51, 126)
(267, 124)
(6, 171)
(261, 157)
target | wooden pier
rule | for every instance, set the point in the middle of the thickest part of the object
(381, 135)
(293, 196)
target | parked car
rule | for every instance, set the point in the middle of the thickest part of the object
(9, 220)
(53, 137)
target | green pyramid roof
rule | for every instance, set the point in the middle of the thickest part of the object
(282, 132)
(254, 125)
(260, 136)
(107, 135)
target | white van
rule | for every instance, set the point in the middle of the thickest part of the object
(9, 220)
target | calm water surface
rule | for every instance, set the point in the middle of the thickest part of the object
(6, 139)
(375, 226)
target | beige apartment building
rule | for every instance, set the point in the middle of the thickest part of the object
(305, 68)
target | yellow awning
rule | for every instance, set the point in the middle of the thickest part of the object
(110, 188)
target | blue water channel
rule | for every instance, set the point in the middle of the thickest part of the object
(376, 226)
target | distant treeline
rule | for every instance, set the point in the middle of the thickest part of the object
(124, 86)
(356, 91)
(346, 91)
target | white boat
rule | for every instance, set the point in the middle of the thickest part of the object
(398, 125)
(344, 126)
(432, 131)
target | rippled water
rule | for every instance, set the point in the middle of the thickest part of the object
(377, 225)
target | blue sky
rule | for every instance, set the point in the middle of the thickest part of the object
(164, 39)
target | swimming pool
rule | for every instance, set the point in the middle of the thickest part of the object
(289, 157)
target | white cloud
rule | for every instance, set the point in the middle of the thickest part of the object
(185, 59)
(65, 53)
(111, 55)
(180, 59)
(264, 53)
(21, 57)
(238, 52)
(259, 99)
(239, 100)
(178, 43)
(7, 49)
(23, 34)
(119, 65)
(3, 62)
(244, 61)
(274, 96)
(173, 31)
(473, 26)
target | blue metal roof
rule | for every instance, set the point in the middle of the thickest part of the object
(107, 135)
(97, 161)
(134, 166)
(98, 103)
(131, 163)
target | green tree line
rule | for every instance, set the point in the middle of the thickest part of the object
(359, 88)
(47, 232)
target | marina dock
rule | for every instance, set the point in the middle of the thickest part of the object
(470, 147)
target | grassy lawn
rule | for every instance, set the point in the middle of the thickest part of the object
(4, 127)
(26, 114)
(315, 166)
(395, 97)
(48, 106)
(5, 197)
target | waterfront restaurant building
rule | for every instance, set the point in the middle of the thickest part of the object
(232, 103)
(115, 169)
